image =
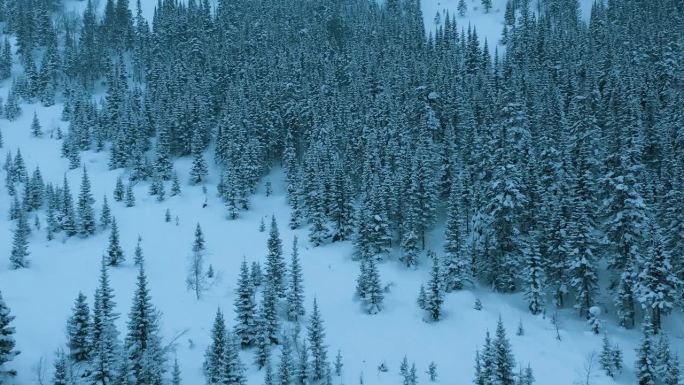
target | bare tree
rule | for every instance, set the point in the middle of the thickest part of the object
(587, 373)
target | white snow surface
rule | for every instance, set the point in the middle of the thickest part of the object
(41, 296)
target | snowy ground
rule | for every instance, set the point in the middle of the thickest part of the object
(41, 297)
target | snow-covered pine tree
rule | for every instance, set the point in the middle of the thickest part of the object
(78, 330)
(268, 317)
(197, 278)
(7, 342)
(645, 364)
(115, 255)
(105, 213)
(234, 370)
(457, 266)
(374, 295)
(275, 263)
(68, 215)
(503, 361)
(434, 290)
(657, 281)
(84, 207)
(119, 190)
(295, 292)
(534, 278)
(302, 371)
(319, 351)
(36, 129)
(255, 274)
(245, 308)
(62, 375)
(18, 257)
(176, 373)
(215, 356)
(262, 340)
(105, 351)
(285, 372)
(130, 196)
(175, 185)
(138, 257)
(144, 351)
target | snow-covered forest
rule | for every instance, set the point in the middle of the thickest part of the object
(309, 192)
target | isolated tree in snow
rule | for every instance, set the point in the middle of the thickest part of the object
(36, 129)
(338, 363)
(502, 357)
(373, 295)
(62, 375)
(197, 278)
(115, 255)
(295, 292)
(275, 263)
(176, 374)
(319, 351)
(175, 185)
(84, 207)
(20, 251)
(105, 214)
(78, 330)
(245, 308)
(434, 295)
(486, 5)
(7, 343)
(138, 257)
(199, 169)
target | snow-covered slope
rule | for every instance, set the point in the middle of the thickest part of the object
(41, 297)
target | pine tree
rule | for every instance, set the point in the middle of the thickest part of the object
(338, 363)
(503, 360)
(462, 8)
(606, 357)
(20, 243)
(78, 330)
(245, 326)
(138, 258)
(319, 351)
(7, 343)
(285, 369)
(175, 185)
(105, 344)
(62, 375)
(302, 371)
(215, 356)
(657, 282)
(143, 342)
(268, 375)
(434, 294)
(234, 370)
(534, 277)
(199, 170)
(432, 371)
(176, 374)
(115, 255)
(197, 279)
(487, 5)
(36, 130)
(119, 190)
(374, 295)
(84, 207)
(645, 365)
(295, 293)
(262, 340)
(105, 214)
(275, 263)
(130, 197)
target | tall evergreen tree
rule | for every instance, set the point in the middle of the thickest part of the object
(78, 330)
(7, 342)
(295, 293)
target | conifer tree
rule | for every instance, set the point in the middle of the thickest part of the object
(119, 190)
(434, 293)
(275, 263)
(285, 369)
(302, 371)
(84, 207)
(7, 343)
(645, 365)
(138, 258)
(105, 344)
(338, 363)
(255, 274)
(245, 307)
(176, 374)
(68, 216)
(199, 170)
(115, 255)
(130, 197)
(62, 375)
(503, 360)
(262, 340)
(606, 357)
(215, 356)
(78, 330)
(20, 251)
(462, 8)
(145, 353)
(234, 370)
(295, 293)
(175, 185)
(36, 129)
(105, 213)
(197, 278)
(487, 5)
(534, 277)
(319, 351)
(374, 295)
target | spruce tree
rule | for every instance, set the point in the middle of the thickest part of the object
(145, 353)
(119, 190)
(105, 345)
(175, 185)
(295, 293)
(105, 214)
(302, 371)
(285, 368)
(130, 197)
(645, 365)
(36, 130)
(115, 255)
(503, 360)
(176, 374)
(62, 375)
(245, 327)
(275, 263)
(7, 343)
(234, 370)
(197, 278)
(319, 351)
(84, 207)
(78, 330)
(374, 293)
(434, 294)
(138, 257)
(20, 251)
(215, 356)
